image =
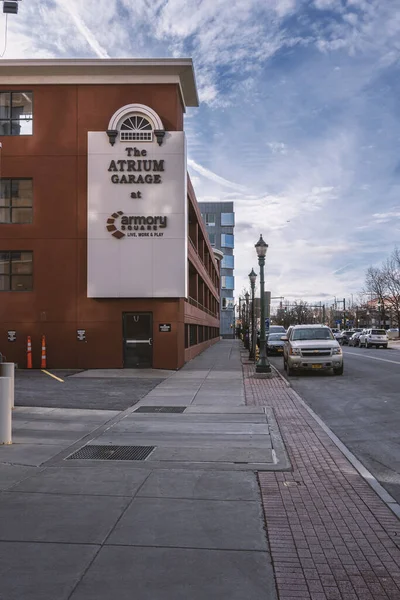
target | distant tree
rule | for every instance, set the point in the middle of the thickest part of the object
(391, 277)
(383, 284)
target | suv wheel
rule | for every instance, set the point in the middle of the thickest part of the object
(338, 371)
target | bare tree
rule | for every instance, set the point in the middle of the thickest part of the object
(391, 277)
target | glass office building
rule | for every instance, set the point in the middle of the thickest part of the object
(219, 218)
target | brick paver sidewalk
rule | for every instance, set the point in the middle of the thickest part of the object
(331, 536)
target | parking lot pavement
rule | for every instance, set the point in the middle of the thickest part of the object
(35, 388)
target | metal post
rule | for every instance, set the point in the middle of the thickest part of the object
(253, 335)
(8, 370)
(247, 319)
(5, 410)
(240, 317)
(263, 365)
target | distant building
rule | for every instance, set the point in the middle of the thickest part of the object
(219, 218)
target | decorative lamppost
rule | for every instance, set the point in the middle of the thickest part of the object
(262, 365)
(252, 277)
(240, 317)
(247, 328)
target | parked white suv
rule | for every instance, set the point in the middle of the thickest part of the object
(312, 347)
(374, 337)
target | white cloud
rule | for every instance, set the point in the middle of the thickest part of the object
(213, 176)
(83, 29)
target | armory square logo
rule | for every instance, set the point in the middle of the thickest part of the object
(121, 225)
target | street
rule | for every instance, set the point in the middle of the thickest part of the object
(361, 407)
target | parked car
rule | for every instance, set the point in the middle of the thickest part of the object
(312, 347)
(345, 337)
(355, 339)
(393, 334)
(275, 344)
(373, 337)
(276, 329)
(337, 334)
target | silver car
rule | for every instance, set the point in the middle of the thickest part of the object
(312, 347)
(374, 337)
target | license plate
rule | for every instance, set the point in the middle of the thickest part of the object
(316, 366)
(280, 350)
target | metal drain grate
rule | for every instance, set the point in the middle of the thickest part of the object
(160, 409)
(112, 453)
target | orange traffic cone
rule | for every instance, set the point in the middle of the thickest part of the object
(43, 362)
(29, 352)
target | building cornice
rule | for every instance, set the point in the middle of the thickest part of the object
(103, 71)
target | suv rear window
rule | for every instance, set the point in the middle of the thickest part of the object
(312, 334)
(378, 332)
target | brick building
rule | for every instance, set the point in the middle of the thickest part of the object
(96, 209)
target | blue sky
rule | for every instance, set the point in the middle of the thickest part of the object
(299, 121)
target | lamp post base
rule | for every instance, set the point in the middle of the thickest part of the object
(261, 367)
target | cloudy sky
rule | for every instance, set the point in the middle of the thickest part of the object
(299, 122)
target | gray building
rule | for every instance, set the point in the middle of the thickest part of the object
(219, 219)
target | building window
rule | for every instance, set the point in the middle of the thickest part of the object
(136, 129)
(16, 113)
(228, 303)
(227, 240)
(212, 238)
(227, 282)
(228, 219)
(16, 201)
(210, 219)
(186, 336)
(16, 270)
(228, 262)
(192, 335)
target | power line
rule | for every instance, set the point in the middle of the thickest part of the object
(5, 37)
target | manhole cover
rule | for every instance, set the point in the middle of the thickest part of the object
(112, 453)
(160, 409)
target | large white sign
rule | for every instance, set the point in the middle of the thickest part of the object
(137, 218)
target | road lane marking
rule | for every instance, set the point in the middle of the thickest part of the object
(395, 362)
(55, 377)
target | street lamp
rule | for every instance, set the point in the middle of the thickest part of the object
(263, 365)
(247, 329)
(252, 277)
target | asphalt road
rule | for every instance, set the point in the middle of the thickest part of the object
(362, 407)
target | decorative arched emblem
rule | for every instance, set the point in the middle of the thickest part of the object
(135, 122)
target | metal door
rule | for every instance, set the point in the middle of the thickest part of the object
(138, 340)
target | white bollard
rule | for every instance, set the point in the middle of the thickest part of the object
(5, 410)
(8, 370)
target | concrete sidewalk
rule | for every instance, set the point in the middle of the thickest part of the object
(185, 522)
(204, 505)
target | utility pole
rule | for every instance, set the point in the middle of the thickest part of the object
(344, 312)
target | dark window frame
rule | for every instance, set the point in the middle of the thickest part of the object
(10, 119)
(10, 207)
(10, 273)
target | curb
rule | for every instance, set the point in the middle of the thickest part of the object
(365, 474)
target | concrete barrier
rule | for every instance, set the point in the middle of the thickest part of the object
(7, 369)
(5, 410)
